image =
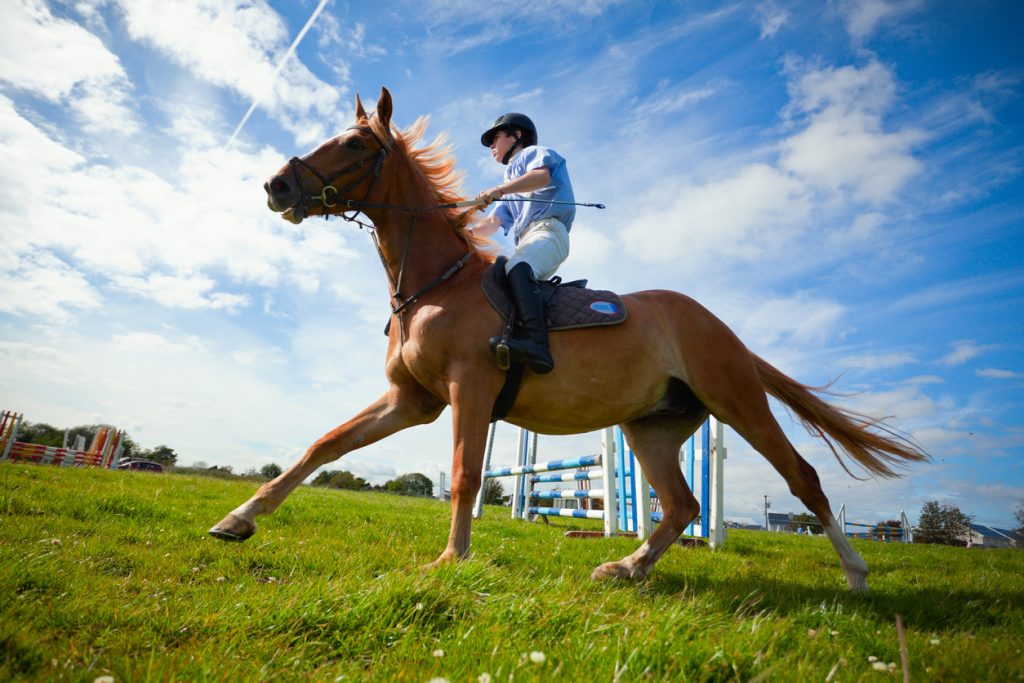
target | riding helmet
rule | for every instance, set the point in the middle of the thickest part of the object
(511, 121)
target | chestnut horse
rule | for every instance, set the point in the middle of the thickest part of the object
(658, 374)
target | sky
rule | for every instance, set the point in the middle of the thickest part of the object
(840, 182)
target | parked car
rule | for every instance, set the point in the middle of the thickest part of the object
(145, 465)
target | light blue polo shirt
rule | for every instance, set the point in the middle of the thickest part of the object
(517, 216)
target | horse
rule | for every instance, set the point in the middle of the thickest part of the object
(658, 374)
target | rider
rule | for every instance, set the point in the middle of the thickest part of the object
(540, 228)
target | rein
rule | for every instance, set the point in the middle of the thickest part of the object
(328, 198)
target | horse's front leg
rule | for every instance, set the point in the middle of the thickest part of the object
(471, 403)
(391, 413)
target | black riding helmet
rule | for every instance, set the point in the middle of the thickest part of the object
(511, 122)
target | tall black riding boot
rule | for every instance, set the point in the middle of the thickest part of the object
(530, 311)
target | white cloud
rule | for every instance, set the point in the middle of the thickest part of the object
(844, 147)
(184, 244)
(674, 100)
(771, 17)
(963, 351)
(863, 17)
(62, 62)
(862, 230)
(185, 292)
(841, 156)
(987, 285)
(157, 344)
(796, 320)
(878, 361)
(748, 215)
(237, 45)
(40, 284)
(996, 373)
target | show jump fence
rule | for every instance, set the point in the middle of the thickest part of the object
(613, 480)
(903, 533)
(105, 450)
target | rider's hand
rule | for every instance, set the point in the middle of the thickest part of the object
(488, 196)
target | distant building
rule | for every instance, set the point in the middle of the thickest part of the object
(983, 536)
(781, 521)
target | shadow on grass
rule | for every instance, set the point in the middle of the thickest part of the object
(932, 608)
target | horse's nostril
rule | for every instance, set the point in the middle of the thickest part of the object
(277, 187)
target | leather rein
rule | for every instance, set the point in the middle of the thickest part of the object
(330, 197)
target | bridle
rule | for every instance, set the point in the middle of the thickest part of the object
(328, 192)
(331, 196)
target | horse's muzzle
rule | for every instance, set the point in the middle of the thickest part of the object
(281, 192)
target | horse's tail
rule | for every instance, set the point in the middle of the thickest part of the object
(869, 441)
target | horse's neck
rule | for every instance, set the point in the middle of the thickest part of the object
(419, 245)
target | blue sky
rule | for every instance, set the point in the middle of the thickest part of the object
(841, 182)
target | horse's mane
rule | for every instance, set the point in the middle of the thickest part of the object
(436, 166)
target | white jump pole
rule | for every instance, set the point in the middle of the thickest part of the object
(716, 537)
(611, 510)
(519, 502)
(478, 509)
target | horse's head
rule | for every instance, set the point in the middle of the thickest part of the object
(340, 173)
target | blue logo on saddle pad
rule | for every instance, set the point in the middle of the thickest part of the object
(604, 307)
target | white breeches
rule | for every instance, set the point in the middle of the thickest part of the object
(544, 245)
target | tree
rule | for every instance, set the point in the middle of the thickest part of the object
(494, 493)
(414, 484)
(40, 433)
(271, 471)
(340, 479)
(1020, 519)
(805, 520)
(943, 524)
(164, 455)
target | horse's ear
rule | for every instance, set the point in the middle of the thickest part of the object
(360, 112)
(384, 108)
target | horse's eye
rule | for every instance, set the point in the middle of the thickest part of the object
(355, 144)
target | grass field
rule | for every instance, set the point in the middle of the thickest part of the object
(112, 574)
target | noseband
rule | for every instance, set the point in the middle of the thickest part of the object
(329, 193)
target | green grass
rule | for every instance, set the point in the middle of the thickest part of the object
(112, 573)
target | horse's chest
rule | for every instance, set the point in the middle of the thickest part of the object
(426, 340)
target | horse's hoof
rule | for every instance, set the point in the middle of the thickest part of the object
(856, 576)
(233, 528)
(857, 585)
(442, 560)
(616, 570)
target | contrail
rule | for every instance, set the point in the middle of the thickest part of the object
(280, 65)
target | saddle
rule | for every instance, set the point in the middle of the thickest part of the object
(567, 306)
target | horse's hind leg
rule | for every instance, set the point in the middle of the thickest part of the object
(655, 442)
(734, 394)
